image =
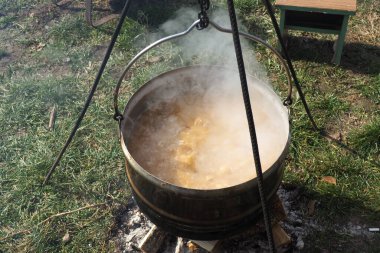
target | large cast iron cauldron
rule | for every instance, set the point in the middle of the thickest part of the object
(191, 213)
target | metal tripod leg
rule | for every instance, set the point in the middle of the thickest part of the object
(270, 10)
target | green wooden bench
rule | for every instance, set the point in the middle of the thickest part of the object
(323, 16)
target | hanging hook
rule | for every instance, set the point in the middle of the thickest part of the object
(204, 20)
(288, 101)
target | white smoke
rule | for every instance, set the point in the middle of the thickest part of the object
(211, 46)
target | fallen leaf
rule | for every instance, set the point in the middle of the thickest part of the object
(311, 207)
(329, 179)
(66, 237)
(337, 136)
(39, 47)
(154, 59)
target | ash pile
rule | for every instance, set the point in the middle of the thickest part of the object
(135, 229)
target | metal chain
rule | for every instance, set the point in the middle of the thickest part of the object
(204, 20)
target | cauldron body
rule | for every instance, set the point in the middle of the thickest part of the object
(192, 213)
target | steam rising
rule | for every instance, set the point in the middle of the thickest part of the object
(193, 130)
(210, 45)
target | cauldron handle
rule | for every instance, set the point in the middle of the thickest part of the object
(119, 117)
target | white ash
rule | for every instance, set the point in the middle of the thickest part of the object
(133, 226)
(299, 224)
(354, 230)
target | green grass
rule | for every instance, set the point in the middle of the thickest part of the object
(367, 139)
(6, 21)
(3, 53)
(343, 99)
(372, 91)
(70, 31)
(18, 5)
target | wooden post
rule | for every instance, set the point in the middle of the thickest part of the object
(281, 238)
(53, 114)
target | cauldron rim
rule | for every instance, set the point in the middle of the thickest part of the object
(213, 192)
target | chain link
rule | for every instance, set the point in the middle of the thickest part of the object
(204, 21)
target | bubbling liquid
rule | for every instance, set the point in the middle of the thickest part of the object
(199, 138)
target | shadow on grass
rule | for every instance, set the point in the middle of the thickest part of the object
(346, 147)
(358, 57)
(332, 202)
(338, 224)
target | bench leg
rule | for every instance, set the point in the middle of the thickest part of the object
(340, 42)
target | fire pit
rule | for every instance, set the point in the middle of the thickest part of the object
(201, 206)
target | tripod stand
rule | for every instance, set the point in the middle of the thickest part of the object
(203, 22)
